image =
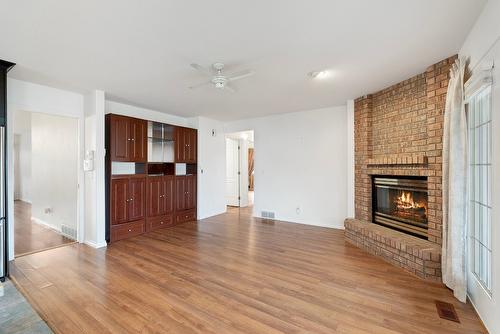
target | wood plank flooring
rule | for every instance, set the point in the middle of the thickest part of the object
(30, 237)
(232, 274)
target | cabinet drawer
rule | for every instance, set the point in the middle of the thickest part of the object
(127, 230)
(185, 216)
(155, 223)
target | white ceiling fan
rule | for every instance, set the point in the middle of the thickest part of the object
(218, 79)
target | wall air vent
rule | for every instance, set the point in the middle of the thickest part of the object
(68, 232)
(267, 214)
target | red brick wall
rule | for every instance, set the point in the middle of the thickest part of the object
(403, 121)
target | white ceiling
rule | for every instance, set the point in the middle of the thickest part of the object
(139, 51)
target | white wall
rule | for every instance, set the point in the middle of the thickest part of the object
(211, 168)
(27, 96)
(54, 156)
(95, 216)
(483, 35)
(148, 114)
(300, 163)
(482, 47)
(22, 160)
(350, 158)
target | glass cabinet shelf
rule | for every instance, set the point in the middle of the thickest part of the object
(160, 142)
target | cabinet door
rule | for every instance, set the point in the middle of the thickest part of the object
(190, 191)
(137, 192)
(138, 140)
(180, 144)
(180, 198)
(168, 194)
(154, 198)
(119, 201)
(120, 138)
(190, 138)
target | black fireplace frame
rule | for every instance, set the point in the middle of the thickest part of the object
(422, 232)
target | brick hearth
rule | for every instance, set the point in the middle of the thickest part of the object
(399, 131)
(418, 256)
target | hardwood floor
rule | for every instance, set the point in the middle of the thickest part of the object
(30, 237)
(232, 274)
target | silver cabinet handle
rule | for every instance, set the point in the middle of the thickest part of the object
(131, 199)
(161, 223)
(130, 230)
(133, 139)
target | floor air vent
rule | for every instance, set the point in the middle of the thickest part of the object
(68, 232)
(447, 311)
(267, 214)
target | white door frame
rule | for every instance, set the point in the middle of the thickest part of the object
(229, 200)
(11, 109)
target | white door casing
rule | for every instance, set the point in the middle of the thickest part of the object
(232, 172)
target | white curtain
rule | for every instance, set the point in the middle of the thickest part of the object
(455, 185)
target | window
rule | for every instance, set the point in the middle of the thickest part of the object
(480, 151)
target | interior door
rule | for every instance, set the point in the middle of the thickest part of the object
(190, 191)
(180, 189)
(232, 172)
(155, 196)
(120, 138)
(137, 192)
(168, 194)
(138, 140)
(119, 202)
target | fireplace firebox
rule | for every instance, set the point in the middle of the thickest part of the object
(400, 203)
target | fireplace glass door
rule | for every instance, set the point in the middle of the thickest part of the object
(401, 203)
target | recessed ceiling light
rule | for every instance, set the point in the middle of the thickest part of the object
(319, 74)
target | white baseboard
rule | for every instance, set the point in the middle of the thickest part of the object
(477, 312)
(44, 223)
(95, 244)
(23, 200)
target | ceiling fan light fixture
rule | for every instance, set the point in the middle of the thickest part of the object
(219, 79)
(319, 74)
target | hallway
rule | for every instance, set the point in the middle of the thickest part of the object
(31, 237)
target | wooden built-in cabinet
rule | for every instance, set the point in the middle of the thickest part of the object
(160, 199)
(138, 203)
(127, 206)
(185, 197)
(128, 139)
(185, 144)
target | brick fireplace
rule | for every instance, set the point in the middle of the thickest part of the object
(399, 132)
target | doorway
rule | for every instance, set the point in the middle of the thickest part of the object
(45, 181)
(240, 169)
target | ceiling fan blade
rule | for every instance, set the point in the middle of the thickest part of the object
(240, 75)
(201, 69)
(229, 88)
(200, 84)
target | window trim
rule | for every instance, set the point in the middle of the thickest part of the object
(472, 88)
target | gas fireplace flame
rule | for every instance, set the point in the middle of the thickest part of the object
(405, 201)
